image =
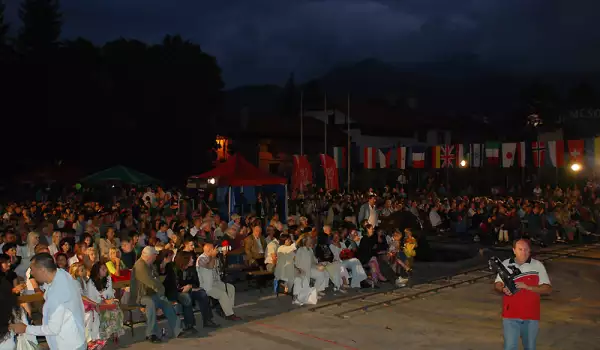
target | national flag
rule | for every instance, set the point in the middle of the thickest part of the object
(575, 148)
(340, 156)
(302, 175)
(460, 154)
(370, 160)
(418, 157)
(435, 157)
(492, 153)
(386, 157)
(509, 151)
(592, 152)
(556, 153)
(588, 150)
(538, 149)
(521, 154)
(401, 157)
(447, 156)
(476, 155)
(330, 172)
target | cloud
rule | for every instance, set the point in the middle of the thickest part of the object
(264, 40)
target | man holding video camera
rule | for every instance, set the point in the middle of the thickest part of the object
(208, 265)
(521, 310)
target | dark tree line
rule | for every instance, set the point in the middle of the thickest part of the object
(151, 106)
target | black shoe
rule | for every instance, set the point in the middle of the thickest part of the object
(153, 339)
(211, 324)
(191, 330)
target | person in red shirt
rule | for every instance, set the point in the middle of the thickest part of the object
(521, 311)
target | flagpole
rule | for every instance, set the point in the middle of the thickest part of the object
(348, 150)
(326, 121)
(301, 123)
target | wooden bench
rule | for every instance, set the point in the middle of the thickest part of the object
(259, 278)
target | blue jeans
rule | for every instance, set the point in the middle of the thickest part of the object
(151, 303)
(187, 303)
(514, 329)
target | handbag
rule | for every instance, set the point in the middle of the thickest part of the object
(88, 306)
(306, 294)
(25, 344)
(107, 307)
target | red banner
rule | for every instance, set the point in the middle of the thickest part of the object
(302, 176)
(331, 172)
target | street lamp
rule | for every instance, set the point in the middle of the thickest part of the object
(576, 167)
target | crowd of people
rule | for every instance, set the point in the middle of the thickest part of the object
(171, 252)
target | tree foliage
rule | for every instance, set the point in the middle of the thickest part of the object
(151, 106)
(42, 24)
(3, 25)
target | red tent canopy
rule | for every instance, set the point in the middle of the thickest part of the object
(237, 171)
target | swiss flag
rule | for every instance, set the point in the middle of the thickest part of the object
(575, 151)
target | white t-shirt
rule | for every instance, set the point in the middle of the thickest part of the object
(533, 266)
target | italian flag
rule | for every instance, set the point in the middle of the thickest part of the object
(492, 153)
(339, 155)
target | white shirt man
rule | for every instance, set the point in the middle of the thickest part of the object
(63, 313)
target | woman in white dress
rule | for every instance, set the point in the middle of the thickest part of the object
(284, 269)
(54, 247)
(26, 252)
(101, 292)
(352, 264)
(91, 319)
(307, 268)
(10, 313)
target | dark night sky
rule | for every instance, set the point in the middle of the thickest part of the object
(262, 41)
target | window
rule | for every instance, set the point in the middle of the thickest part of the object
(274, 168)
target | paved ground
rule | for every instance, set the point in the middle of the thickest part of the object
(467, 317)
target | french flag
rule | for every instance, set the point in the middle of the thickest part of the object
(370, 160)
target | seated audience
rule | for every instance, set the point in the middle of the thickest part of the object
(208, 265)
(146, 289)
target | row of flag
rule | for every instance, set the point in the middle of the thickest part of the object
(555, 154)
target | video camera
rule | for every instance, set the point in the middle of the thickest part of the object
(220, 250)
(507, 277)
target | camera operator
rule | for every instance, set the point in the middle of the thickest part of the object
(521, 311)
(208, 265)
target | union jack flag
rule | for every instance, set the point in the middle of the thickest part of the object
(447, 156)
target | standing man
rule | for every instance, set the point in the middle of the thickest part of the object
(521, 311)
(368, 212)
(62, 322)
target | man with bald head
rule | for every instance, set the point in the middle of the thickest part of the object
(521, 310)
(146, 289)
(207, 266)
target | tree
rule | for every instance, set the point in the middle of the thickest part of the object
(3, 26)
(42, 24)
(288, 106)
